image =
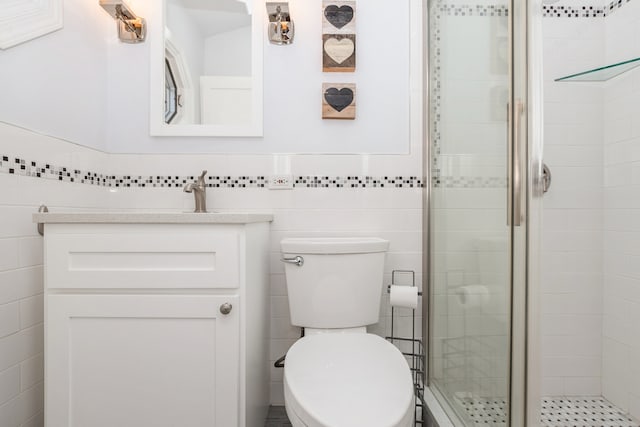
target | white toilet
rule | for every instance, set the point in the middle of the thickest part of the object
(338, 375)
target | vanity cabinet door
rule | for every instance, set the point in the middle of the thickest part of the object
(142, 361)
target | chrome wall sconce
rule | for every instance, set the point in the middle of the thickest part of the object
(131, 28)
(281, 29)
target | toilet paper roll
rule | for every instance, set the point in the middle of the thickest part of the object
(472, 295)
(403, 296)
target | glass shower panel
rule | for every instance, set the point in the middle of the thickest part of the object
(470, 288)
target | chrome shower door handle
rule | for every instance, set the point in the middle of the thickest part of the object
(297, 260)
(517, 164)
(514, 165)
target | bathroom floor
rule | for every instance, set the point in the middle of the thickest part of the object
(557, 411)
(277, 417)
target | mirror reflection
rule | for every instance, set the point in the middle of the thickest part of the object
(208, 62)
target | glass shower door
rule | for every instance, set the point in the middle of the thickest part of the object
(476, 210)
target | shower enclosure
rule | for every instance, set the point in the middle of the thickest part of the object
(478, 199)
(531, 322)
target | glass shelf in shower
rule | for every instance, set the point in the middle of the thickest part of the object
(602, 74)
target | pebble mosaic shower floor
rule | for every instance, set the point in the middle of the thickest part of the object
(557, 411)
(583, 412)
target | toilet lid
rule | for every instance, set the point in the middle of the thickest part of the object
(351, 379)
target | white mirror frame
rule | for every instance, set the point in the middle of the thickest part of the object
(158, 127)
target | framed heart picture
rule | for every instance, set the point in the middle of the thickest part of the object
(339, 36)
(339, 101)
(339, 53)
(338, 17)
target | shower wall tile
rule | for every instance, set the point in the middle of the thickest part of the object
(9, 384)
(9, 319)
(622, 33)
(572, 266)
(621, 347)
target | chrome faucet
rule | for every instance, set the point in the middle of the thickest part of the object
(199, 190)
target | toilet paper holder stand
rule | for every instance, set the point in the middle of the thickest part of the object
(411, 347)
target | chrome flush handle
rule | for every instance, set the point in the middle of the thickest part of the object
(297, 260)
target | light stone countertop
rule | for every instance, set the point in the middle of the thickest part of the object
(151, 218)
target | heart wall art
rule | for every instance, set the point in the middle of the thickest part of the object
(339, 53)
(339, 101)
(339, 36)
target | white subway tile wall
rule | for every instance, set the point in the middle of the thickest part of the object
(21, 275)
(621, 311)
(391, 212)
(571, 319)
(591, 279)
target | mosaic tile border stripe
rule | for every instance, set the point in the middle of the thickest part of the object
(23, 167)
(17, 166)
(615, 5)
(475, 10)
(560, 11)
(436, 91)
(548, 10)
(566, 11)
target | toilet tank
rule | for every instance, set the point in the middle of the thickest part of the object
(339, 283)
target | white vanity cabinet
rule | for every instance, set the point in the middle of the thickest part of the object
(151, 321)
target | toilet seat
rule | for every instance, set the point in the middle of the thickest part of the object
(347, 380)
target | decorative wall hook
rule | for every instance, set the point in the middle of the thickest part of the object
(281, 28)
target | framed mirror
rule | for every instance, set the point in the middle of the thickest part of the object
(206, 68)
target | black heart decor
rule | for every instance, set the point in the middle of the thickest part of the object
(338, 16)
(339, 99)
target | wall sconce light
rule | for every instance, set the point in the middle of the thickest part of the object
(281, 29)
(131, 28)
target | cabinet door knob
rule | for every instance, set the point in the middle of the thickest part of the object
(226, 308)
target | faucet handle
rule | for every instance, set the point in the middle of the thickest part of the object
(201, 178)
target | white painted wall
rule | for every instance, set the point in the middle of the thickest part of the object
(95, 89)
(57, 84)
(293, 90)
(229, 53)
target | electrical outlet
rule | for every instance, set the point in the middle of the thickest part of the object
(281, 182)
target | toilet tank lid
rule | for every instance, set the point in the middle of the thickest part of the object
(333, 245)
